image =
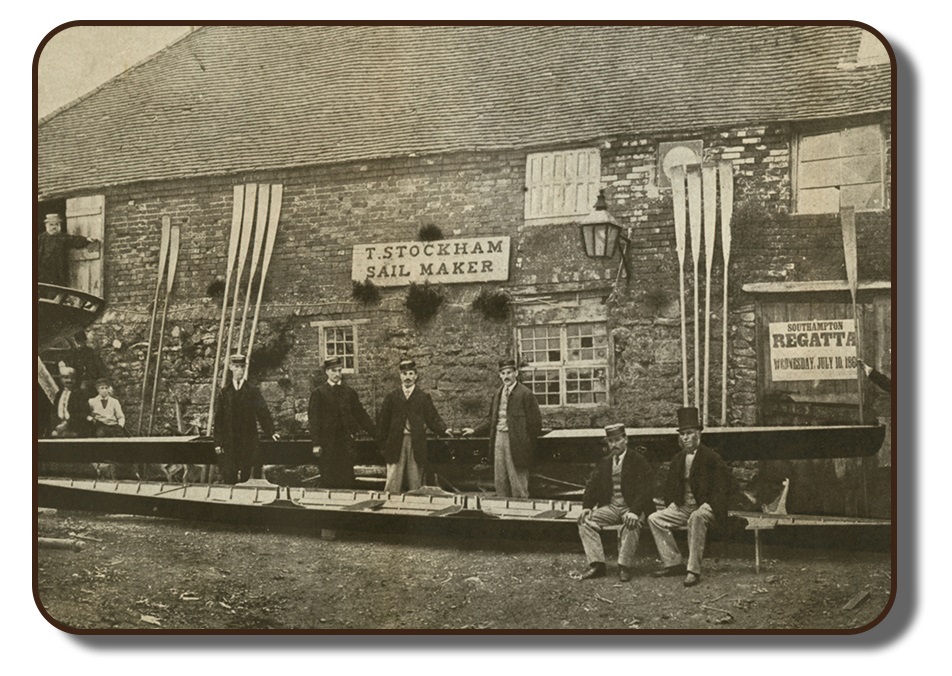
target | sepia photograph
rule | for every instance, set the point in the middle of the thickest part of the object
(465, 328)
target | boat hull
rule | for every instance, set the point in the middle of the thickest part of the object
(571, 446)
(262, 504)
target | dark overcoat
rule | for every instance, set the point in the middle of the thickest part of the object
(523, 419)
(709, 480)
(334, 416)
(395, 411)
(637, 484)
(78, 408)
(238, 413)
(52, 256)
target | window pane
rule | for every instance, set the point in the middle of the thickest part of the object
(849, 158)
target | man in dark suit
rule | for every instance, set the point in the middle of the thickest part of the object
(696, 495)
(334, 416)
(514, 426)
(405, 414)
(239, 410)
(52, 247)
(618, 493)
(71, 408)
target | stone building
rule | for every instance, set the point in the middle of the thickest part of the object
(495, 134)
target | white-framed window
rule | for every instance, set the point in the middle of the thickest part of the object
(566, 364)
(562, 185)
(338, 338)
(844, 167)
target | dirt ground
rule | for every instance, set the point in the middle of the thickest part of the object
(141, 573)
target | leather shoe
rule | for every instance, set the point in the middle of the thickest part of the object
(593, 572)
(672, 571)
(691, 579)
(624, 573)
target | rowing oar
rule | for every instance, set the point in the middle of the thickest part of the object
(677, 195)
(726, 179)
(246, 221)
(848, 222)
(169, 281)
(709, 181)
(261, 226)
(274, 214)
(163, 254)
(694, 213)
(237, 204)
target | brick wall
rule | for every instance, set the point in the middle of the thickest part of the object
(327, 210)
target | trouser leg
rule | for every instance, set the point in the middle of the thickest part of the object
(661, 524)
(698, 522)
(500, 466)
(414, 470)
(396, 470)
(590, 532)
(628, 545)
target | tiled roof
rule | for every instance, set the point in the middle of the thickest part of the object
(235, 98)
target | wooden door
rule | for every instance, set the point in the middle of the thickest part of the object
(86, 216)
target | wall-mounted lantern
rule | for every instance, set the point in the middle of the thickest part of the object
(601, 234)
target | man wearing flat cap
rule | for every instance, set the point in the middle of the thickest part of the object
(404, 415)
(53, 247)
(617, 493)
(335, 416)
(696, 497)
(514, 426)
(239, 410)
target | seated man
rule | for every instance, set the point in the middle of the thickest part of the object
(105, 412)
(696, 495)
(71, 408)
(618, 492)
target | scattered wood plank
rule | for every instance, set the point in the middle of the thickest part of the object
(60, 543)
(854, 602)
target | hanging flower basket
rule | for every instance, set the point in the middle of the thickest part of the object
(365, 292)
(493, 304)
(424, 301)
(430, 233)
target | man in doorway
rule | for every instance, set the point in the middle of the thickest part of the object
(514, 426)
(618, 493)
(239, 409)
(696, 497)
(53, 247)
(334, 416)
(404, 415)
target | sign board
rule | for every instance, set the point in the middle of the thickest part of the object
(813, 350)
(447, 261)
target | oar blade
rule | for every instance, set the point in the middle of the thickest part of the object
(725, 171)
(694, 210)
(709, 185)
(680, 209)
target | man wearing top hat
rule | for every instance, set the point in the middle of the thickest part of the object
(53, 247)
(514, 426)
(334, 416)
(696, 497)
(617, 493)
(404, 415)
(239, 410)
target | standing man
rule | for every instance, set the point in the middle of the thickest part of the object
(696, 495)
(239, 410)
(618, 492)
(334, 415)
(514, 426)
(53, 247)
(405, 414)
